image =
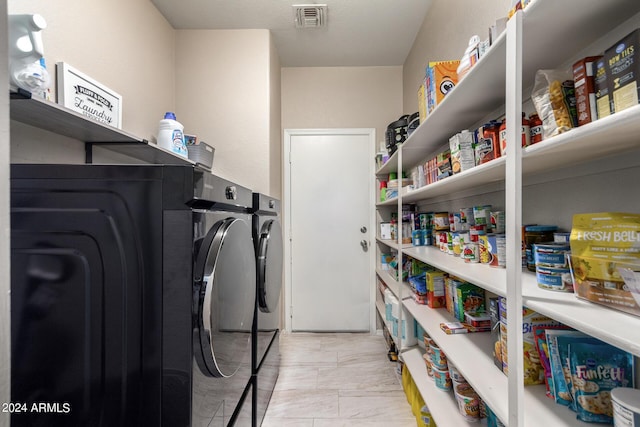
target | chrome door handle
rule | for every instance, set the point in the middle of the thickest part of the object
(365, 245)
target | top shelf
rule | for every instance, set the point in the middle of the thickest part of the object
(55, 118)
(481, 92)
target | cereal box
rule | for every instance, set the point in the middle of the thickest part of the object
(601, 243)
(422, 101)
(441, 79)
(584, 80)
(467, 297)
(435, 289)
(533, 370)
(623, 66)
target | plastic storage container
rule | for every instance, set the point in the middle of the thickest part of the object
(171, 135)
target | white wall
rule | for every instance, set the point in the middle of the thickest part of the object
(341, 97)
(224, 96)
(444, 36)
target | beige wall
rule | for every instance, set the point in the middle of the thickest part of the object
(275, 143)
(223, 94)
(126, 45)
(341, 97)
(444, 35)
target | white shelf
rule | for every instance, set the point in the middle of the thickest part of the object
(390, 166)
(615, 327)
(480, 92)
(442, 404)
(490, 278)
(390, 281)
(393, 244)
(615, 134)
(470, 353)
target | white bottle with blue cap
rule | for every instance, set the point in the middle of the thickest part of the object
(171, 135)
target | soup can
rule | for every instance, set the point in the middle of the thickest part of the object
(497, 221)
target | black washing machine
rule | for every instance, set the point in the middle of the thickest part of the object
(133, 296)
(267, 238)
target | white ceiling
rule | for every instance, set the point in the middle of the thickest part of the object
(358, 32)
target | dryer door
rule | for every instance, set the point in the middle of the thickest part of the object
(269, 266)
(225, 278)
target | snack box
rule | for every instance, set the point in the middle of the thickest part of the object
(435, 289)
(442, 77)
(422, 101)
(622, 62)
(601, 86)
(533, 370)
(467, 297)
(584, 72)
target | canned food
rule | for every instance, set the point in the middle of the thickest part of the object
(555, 279)
(477, 231)
(457, 248)
(470, 252)
(466, 216)
(497, 221)
(498, 248)
(536, 234)
(552, 255)
(441, 221)
(482, 215)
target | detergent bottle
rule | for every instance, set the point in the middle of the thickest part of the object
(26, 54)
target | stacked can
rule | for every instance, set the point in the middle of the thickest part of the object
(552, 268)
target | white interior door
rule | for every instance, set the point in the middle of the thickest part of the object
(330, 204)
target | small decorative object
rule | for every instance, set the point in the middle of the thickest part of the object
(82, 94)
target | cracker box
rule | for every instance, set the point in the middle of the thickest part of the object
(601, 82)
(422, 101)
(584, 80)
(441, 79)
(435, 289)
(533, 370)
(622, 61)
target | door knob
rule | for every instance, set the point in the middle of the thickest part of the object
(365, 245)
(363, 230)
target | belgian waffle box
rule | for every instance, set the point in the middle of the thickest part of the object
(622, 64)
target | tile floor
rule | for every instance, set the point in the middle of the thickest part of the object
(337, 380)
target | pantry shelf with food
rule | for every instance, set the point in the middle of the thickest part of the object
(493, 280)
(617, 328)
(393, 285)
(588, 168)
(442, 405)
(470, 353)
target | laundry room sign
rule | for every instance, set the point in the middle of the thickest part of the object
(82, 94)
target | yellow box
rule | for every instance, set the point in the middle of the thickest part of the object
(442, 77)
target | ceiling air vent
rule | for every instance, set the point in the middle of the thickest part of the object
(310, 15)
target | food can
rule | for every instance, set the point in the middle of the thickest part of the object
(477, 231)
(468, 402)
(484, 250)
(457, 248)
(536, 234)
(466, 216)
(454, 221)
(561, 237)
(417, 237)
(482, 215)
(626, 406)
(498, 250)
(442, 379)
(555, 279)
(497, 221)
(441, 221)
(470, 252)
(552, 255)
(438, 357)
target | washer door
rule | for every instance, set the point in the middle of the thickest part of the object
(269, 266)
(225, 278)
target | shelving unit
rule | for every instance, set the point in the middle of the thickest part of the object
(593, 25)
(52, 117)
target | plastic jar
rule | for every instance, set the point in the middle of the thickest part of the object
(171, 135)
(536, 234)
(535, 124)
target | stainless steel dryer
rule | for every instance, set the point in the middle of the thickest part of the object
(133, 296)
(267, 238)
